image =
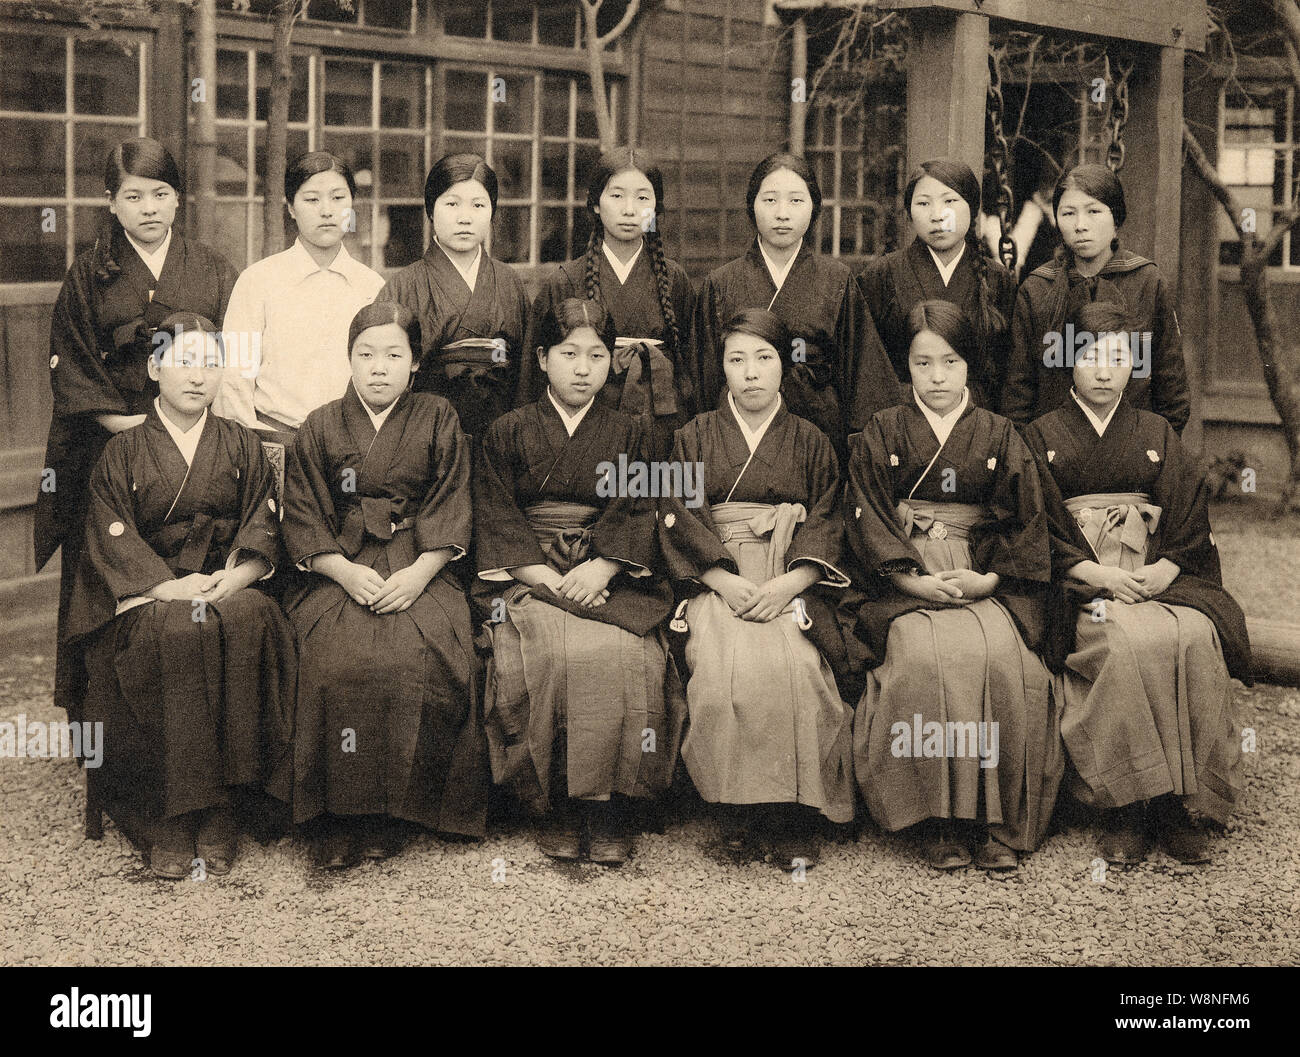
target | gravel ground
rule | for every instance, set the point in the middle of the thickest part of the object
(1261, 558)
(67, 901)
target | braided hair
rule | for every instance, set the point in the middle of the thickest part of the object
(619, 160)
(1096, 181)
(989, 323)
(142, 157)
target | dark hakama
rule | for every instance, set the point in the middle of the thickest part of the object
(648, 375)
(976, 504)
(897, 282)
(1033, 387)
(472, 341)
(580, 701)
(838, 375)
(1146, 693)
(196, 698)
(767, 724)
(99, 346)
(386, 723)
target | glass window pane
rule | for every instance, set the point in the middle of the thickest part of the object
(585, 157)
(405, 242)
(465, 18)
(232, 84)
(586, 116)
(555, 105)
(401, 166)
(388, 14)
(37, 83)
(401, 96)
(465, 105)
(334, 13)
(464, 145)
(357, 149)
(554, 222)
(513, 162)
(512, 20)
(510, 234)
(295, 144)
(106, 77)
(557, 26)
(91, 145)
(232, 162)
(555, 171)
(512, 101)
(230, 232)
(297, 87)
(89, 224)
(28, 254)
(347, 93)
(32, 162)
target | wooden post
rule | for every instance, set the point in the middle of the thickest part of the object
(204, 142)
(1153, 163)
(798, 75)
(947, 85)
(169, 90)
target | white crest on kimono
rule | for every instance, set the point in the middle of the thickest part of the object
(116, 528)
(1212, 543)
(938, 531)
(670, 520)
(993, 462)
(857, 511)
(54, 361)
(893, 460)
(271, 504)
(1051, 455)
(1152, 455)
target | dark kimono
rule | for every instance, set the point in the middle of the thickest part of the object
(1145, 687)
(472, 341)
(100, 342)
(974, 503)
(842, 377)
(580, 701)
(403, 683)
(767, 724)
(647, 376)
(196, 697)
(897, 282)
(1033, 388)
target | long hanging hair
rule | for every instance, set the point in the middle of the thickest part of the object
(1096, 181)
(142, 157)
(950, 322)
(989, 322)
(621, 159)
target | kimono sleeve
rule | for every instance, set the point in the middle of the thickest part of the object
(871, 521)
(687, 536)
(1169, 392)
(245, 315)
(625, 530)
(1068, 545)
(259, 520)
(78, 378)
(445, 515)
(874, 283)
(503, 539)
(870, 380)
(114, 548)
(820, 538)
(531, 376)
(707, 353)
(1182, 493)
(309, 514)
(1020, 383)
(682, 296)
(1018, 543)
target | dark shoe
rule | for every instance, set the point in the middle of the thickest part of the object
(561, 837)
(1176, 832)
(611, 844)
(991, 854)
(171, 852)
(1124, 840)
(943, 846)
(381, 838)
(337, 849)
(217, 843)
(792, 850)
(735, 826)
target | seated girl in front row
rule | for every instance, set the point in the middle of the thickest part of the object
(1151, 634)
(376, 506)
(191, 671)
(769, 736)
(583, 705)
(957, 732)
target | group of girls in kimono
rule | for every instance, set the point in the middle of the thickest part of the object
(373, 569)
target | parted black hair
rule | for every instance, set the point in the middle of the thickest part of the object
(571, 314)
(142, 157)
(953, 325)
(763, 324)
(380, 314)
(305, 166)
(798, 165)
(451, 169)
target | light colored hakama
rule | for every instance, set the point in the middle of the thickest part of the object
(766, 721)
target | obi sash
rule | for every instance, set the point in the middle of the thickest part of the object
(563, 530)
(1117, 525)
(648, 381)
(941, 531)
(470, 359)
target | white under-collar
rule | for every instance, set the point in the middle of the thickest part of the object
(187, 440)
(470, 272)
(942, 424)
(753, 436)
(621, 270)
(778, 273)
(946, 270)
(153, 259)
(1098, 424)
(377, 418)
(574, 420)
